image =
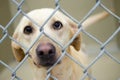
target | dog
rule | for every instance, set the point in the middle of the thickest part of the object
(45, 52)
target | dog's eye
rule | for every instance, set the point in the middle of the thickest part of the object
(28, 30)
(57, 25)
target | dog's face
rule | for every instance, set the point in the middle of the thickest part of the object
(45, 52)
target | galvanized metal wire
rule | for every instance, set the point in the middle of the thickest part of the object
(103, 50)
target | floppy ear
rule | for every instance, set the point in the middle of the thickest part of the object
(77, 41)
(17, 50)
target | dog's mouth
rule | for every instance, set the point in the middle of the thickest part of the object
(46, 63)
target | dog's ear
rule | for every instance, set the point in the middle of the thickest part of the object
(77, 41)
(17, 50)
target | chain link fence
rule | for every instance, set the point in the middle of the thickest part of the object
(103, 50)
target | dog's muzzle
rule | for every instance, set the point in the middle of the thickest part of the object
(46, 53)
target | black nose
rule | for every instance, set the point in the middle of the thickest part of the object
(45, 51)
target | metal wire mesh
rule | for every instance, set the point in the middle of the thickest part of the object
(103, 50)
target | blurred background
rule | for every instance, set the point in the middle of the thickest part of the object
(104, 69)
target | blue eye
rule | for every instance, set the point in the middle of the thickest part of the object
(57, 25)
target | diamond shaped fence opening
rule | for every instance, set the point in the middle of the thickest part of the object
(103, 58)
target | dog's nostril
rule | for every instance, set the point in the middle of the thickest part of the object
(51, 52)
(40, 53)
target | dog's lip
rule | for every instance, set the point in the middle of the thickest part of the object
(53, 63)
(50, 63)
(47, 64)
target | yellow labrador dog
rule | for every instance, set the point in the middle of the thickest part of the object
(45, 52)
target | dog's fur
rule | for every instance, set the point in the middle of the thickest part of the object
(66, 69)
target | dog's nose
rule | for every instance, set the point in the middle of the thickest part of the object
(45, 50)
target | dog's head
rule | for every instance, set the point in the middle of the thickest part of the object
(45, 51)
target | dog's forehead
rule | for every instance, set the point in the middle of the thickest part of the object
(39, 13)
(43, 14)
